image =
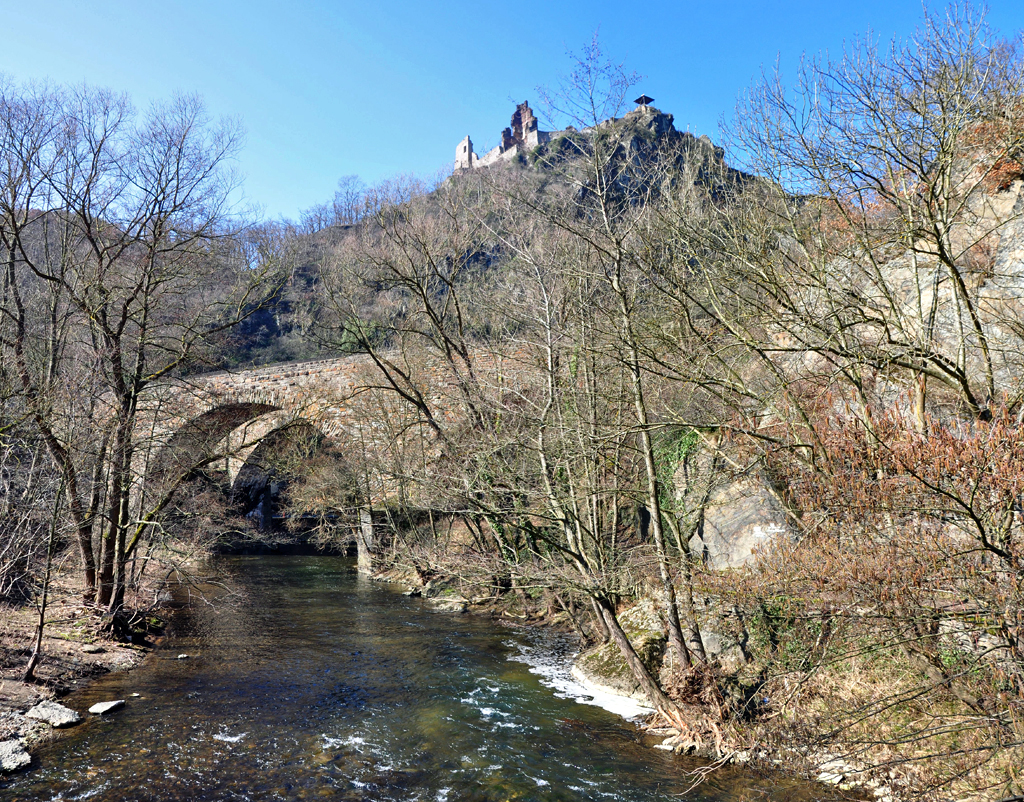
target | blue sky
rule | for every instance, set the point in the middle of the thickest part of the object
(382, 87)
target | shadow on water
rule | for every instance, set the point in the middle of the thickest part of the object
(308, 682)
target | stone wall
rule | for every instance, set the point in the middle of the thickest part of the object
(523, 134)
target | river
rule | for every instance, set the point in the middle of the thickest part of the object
(310, 682)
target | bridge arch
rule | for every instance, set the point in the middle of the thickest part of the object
(278, 451)
(218, 426)
(190, 444)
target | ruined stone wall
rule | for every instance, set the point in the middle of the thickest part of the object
(522, 134)
(465, 158)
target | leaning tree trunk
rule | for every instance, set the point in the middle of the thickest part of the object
(655, 694)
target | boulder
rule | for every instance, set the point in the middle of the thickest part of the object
(54, 714)
(740, 518)
(604, 668)
(450, 604)
(13, 755)
(105, 707)
(93, 648)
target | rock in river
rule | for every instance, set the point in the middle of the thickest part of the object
(105, 707)
(453, 604)
(13, 755)
(56, 715)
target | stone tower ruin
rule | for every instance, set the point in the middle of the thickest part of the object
(522, 134)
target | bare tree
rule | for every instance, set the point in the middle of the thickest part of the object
(349, 206)
(124, 227)
(860, 315)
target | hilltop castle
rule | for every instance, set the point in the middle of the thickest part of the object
(522, 135)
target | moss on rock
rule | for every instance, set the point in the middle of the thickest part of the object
(604, 667)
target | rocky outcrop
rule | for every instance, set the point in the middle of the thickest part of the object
(604, 669)
(741, 517)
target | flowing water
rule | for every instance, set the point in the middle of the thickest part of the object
(310, 682)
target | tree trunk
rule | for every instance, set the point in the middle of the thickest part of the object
(602, 627)
(675, 632)
(37, 649)
(655, 694)
(694, 640)
(121, 553)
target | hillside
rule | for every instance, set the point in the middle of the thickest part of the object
(645, 151)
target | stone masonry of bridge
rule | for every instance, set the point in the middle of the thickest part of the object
(227, 415)
(340, 397)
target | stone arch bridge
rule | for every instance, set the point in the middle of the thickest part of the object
(218, 422)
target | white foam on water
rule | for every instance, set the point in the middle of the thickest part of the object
(540, 783)
(229, 739)
(442, 794)
(353, 741)
(555, 672)
(488, 712)
(91, 792)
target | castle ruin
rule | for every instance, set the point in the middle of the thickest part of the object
(522, 135)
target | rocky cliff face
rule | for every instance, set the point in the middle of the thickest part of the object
(643, 142)
(741, 518)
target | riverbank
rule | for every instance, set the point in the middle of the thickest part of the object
(600, 672)
(75, 651)
(74, 657)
